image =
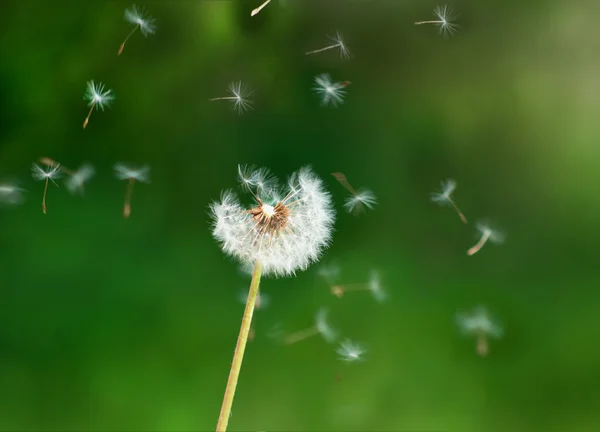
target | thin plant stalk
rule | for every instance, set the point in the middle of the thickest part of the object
(122, 47)
(87, 119)
(323, 49)
(128, 195)
(429, 22)
(484, 238)
(44, 198)
(460, 214)
(223, 98)
(238, 355)
(301, 335)
(258, 9)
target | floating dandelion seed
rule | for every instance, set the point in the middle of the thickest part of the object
(445, 20)
(359, 200)
(285, 231)
(49, 173)
(96, 97)
(350, 351)
(258, 9)
(11, 193)
(487, 233)
(339, 43)
(140, 19)
(329, 91)
(239, 97)
(125, 172)
(482, 325)
(444, 197)
(373, 286)
(321, 327)
(329, 272)
(77, 179)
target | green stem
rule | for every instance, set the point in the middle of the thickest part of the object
(238, 355)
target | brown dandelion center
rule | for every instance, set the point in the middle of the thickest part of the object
(270, 218)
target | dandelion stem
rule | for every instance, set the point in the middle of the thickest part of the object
(484, 238)
(301, 335)
(87, 119)
(460, 214)
(44, 198)
(429, 22)
(125, 41)
(258, 9)
(323, 49)
(238, 355)
(482, 345)
(128, 195)
(223, 98)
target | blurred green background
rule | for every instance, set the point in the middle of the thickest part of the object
(113, 324)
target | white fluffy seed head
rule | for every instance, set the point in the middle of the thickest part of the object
(286, 229)
(479, 322)
(350, 351)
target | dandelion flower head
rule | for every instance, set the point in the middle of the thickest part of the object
(286, 229)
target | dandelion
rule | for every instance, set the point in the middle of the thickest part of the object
(350, 351)
(358, 201)
(373, 286)
(321, 327)
(49, 173)
(10, 193)
(329, 91)
(125, 172)
(285, 231)
(140, 19)
(445, 20)
(339, 43)
(77, 179)
(329, 272)
(239, 97)
(96, 97)
(487, 233)
(258, 9)
(444, 197)
(482, 325)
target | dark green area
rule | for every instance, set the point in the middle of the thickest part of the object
(112, 324)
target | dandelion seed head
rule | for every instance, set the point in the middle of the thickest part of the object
(444, 14)
(479, 322)
(322, 324)
(141, 18)
(364, 199)
(95, 95)
(76, 182)
(350, 351)
(444, 195)
(376, 288)
(127, 172)
(241, 95)
(329, 272)
(495, 236)
(285, 231)
(51, 172)
(339, 40)
(329, 91)
(11, 194)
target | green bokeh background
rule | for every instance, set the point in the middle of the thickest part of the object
(113, 324)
